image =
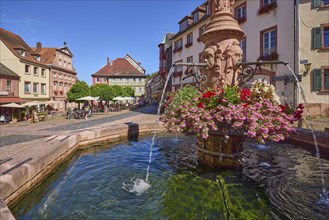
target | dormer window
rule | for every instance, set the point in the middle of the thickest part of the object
(37, 57)
(195, 17)
(21, 52)
(183, 25)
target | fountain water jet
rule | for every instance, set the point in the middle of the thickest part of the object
(139, 186)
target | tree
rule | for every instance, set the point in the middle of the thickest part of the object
(103, 91)
(117, 90)
(128, 91)
(78, 90)
(149, 76)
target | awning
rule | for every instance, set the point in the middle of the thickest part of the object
(11, 99)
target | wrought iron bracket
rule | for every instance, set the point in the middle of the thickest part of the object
(249, 69)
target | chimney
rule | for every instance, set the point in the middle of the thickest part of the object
(64, 43)
(108, 61)
(39, 46)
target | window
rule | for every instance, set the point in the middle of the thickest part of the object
(35, 88)
(320, 37)
(202, 29)
(36, 71)
(267, 2)
(243, 45)
(27, 69)
(64, 76)
(269, 41)
(207, 10)
(266, 6)
(183, 25)
(8, 85)
(189, 59)
(64, 63)
(321, 79)
(43, 72)
(240, 13)
(178, 45)
(27, 87)
(178, 69)
(189, 39)
(104, 79)
(60, 62)
(97, 79)
(43, 88)
(196, 17)
(54, 75)
(320, 3)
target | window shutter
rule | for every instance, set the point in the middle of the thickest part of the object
(316, 37)
(316, 3)
(317, 79)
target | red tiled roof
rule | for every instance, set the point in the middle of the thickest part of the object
(11, 99)
(13, 41)
(47, 54)
(120, 67)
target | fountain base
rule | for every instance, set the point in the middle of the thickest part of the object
(218, 151)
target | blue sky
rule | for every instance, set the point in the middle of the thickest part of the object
(95, 30)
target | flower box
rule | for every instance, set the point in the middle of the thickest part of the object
(241, 20)
(269, 57)
(188, 44)
(267, 8)
(178, 49)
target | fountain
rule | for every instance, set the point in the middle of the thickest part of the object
(277, 181)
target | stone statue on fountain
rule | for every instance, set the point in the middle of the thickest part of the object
(222, 51)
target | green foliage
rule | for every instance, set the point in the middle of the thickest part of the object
(128, 91)
(103, 91)
(232, 94)
(151, 75)
(117, 90)
(185, 94)
(78, 90)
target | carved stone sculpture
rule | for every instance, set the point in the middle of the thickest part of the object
(222, 49)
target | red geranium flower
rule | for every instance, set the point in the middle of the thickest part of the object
(282, 108)
(201, 105)
(208, 95)
(245, 94)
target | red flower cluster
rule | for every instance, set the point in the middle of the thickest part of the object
(208, 95)
(288, 110)
(245, 94)
(298, 112)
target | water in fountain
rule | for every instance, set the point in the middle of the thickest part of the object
(139, 186)
(324, 196)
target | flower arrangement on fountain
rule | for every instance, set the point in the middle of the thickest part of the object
(255, 112)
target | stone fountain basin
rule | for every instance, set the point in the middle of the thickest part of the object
(304, 138)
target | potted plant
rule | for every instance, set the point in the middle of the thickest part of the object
(231, 112)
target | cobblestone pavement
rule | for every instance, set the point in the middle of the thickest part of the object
(90, 123)
(25, 131)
